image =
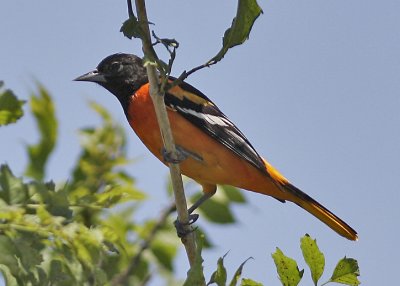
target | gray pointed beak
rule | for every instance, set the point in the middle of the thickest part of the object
(93, 76)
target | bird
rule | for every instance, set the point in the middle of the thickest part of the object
(216, 152)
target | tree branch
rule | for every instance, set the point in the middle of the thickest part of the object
(168, 140)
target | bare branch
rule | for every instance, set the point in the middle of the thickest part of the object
(184, 75)
(168, 140)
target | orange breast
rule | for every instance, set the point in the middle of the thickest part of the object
(219, 164)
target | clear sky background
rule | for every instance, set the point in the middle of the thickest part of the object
(316, 89)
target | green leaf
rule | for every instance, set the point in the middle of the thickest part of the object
(246, 14)
(12, 189)
(10, 106)
(207, 243)
(44, 113)
(238, 273)
(249, 282)
(56, 202)
(346, 272)
(131, 28)
(313, 256)
(287, 269)
(233, 194)
(215, 210)
(86, 243)
(41, 276)
(195, 274)
(59, 273)
(97, 178)
(219, 275)
(165, 253)
(8, 257)
(100, 277)
(28, 250)
(118, 194)
(8, 277)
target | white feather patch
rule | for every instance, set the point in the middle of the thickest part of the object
(212, 119)
(240, 139)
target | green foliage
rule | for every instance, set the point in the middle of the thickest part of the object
(98, 177)
(131, 28)
(346, 271)
(314, 258)
(64, 234)
(287, 268)
(12, 190)
(219, 276)
(246, 14)
(8, 277)
(43, 110)
(249, 282)
(10, 106)
(238, 273)
(165, 247)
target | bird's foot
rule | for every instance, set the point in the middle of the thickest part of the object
(181, 153)
(178, 158)
(181, 228)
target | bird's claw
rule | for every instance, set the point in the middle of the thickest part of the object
(167, 156)
(180, 227)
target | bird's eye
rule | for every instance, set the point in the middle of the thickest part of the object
(115, 67)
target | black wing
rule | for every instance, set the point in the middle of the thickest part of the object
(203, 113)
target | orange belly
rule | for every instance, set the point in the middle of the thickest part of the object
(219, 165)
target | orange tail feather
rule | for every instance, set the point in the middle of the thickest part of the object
(312, 206)
(322, 213)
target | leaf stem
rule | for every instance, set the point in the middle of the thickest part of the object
(130, 10)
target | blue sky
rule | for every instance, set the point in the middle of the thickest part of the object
(315, 89)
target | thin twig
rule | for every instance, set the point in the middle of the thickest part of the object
(195, 69)
(184, 75)
(122, 277)
(168, 140)
(168, 44)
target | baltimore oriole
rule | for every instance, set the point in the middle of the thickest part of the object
(217, 151)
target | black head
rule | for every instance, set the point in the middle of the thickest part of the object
(121, 74)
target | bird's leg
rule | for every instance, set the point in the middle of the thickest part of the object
(180, 227)
(201, 200)
(182, 154)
